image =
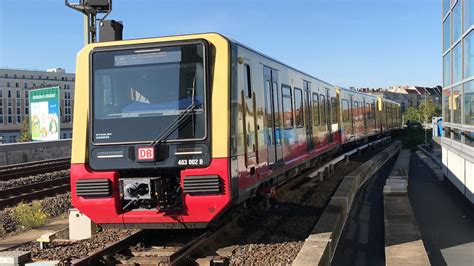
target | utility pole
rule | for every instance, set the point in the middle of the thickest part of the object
(90, 9)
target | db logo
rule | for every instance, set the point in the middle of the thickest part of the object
(146, 153)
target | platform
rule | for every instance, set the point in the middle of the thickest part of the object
(445, 218)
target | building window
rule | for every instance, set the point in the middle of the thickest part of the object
(456, 104)
(287, 107)
(468, 55)
(14, 76)
(8, 84)
(22, 76)
(445, 7)
(17, 94)
(457, 24)
(469, 103)
(299, 108)
(469, 138)
(6, 75)
(446, 34)
(9, 93)
(316, 109)
(18, 119)
(25, 85)
(17, 84)
(447, 70)
(457, 63)
(446, 105)
(31, 76)
(468, 13)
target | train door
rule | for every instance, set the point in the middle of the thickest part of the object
(272, 114)
(364, 114)
(309, 120)
(351, 114)
(327, 106)
(249, 119)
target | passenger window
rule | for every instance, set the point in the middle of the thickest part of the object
(287, 107)
(248, 81)
(345, 111)
(356, 111)
(367, 111)
(299, 108)
(333, 110)
(316, 109)
(322, 101)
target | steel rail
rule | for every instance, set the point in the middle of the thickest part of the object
(183, 254)
(33, 168)
(26, 193)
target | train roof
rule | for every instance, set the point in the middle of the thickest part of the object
(273, 59)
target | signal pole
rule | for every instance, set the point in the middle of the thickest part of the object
(90, 9)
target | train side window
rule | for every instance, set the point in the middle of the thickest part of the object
(355, 112)
(368, 111)
(248, 81)
(268, 107)
(345, 111)
(287, 107)
(323, 104)
(316, 109)
(333, 110)
(299, 108)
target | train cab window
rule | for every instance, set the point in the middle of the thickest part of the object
(248, 81)
(345, 111)
(322, 101)
(333, 110)
(316, 109)
(287, 107)
(299, 108)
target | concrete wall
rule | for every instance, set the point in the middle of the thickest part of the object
(34, 151)
(458, 166)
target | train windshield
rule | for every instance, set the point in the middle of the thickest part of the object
(138, 93)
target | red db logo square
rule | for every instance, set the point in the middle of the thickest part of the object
(146, 153)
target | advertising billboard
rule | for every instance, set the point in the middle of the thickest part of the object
(44, 113)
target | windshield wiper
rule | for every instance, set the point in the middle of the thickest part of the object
(182, 117)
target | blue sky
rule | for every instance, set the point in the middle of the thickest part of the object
(363, 43)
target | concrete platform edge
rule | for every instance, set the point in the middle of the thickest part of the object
(321, 244)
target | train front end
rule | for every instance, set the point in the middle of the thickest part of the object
(149, 149)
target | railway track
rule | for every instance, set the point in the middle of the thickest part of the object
(142, 248)
(13, 171)
(38, 190)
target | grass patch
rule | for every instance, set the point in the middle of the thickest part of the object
(29, 215)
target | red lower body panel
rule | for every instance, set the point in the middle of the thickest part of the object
(197, 209)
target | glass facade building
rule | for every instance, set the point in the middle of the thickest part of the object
(458, 93)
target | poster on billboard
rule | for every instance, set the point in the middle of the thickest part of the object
(44, 114)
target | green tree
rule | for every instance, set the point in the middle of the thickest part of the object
(412, 114)
(427, 110)
(25, 134)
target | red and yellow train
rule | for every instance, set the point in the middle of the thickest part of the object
(171, 132)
